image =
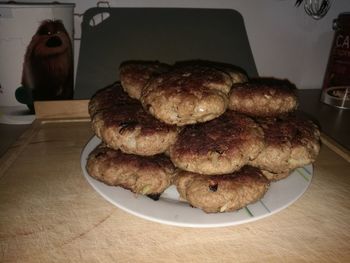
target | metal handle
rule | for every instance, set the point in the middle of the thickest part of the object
(94, 22)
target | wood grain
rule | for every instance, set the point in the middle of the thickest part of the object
(49, 213)
(342, 151)
(61, 109)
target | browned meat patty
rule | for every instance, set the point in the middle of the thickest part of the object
(290, 141)
(237, 74)
(107, 98)
(139, 174)
(122, 123)
(222, 193)
(220, 146)
(187, 94)
(276, 176)
(134, 75)
(263, 97)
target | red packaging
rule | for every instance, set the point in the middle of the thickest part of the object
(336, 84)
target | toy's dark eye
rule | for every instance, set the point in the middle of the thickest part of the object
(42, 31)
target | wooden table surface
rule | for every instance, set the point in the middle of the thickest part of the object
(49, 213)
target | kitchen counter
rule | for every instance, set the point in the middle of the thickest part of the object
(334, 122)
(9, 134)
(49, 213)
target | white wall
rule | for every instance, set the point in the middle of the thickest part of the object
(286, 43)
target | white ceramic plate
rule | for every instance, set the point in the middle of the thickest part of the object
(170, 210)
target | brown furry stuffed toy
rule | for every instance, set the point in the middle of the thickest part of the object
(48, 63)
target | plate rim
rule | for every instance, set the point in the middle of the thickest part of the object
(94, 141)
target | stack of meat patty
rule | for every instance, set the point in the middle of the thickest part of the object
(205, 127)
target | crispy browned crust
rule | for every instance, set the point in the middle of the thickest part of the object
(263, 97)
(122, 123)
(220, 146)
(187, 94)
(106, 98)
(222, 193)
(290, 141)
(139, 174)
(135, 74)
(237, 74)
(194, 77)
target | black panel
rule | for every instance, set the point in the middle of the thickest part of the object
(164, 34)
